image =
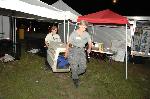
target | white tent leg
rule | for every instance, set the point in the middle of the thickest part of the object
(93, 32)
(75, 27)
(126, 55)
(68, 31)
(2, 23)
(64, 32)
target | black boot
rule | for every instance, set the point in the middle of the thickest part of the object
(76, 82)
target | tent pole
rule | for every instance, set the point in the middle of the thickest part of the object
(75, 26)
(93, 31)
(68, 31)
(2, 24)
(126, 55)
(64, 31)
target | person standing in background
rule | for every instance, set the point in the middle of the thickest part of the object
(51, 36)
(75, 51)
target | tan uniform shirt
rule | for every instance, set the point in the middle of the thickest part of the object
(52, 37)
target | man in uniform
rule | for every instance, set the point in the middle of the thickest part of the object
(75, 51)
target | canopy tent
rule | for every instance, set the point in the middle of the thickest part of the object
(36, 8)
(67, 13)
(63, 6)
(31, 10)
(107, 17)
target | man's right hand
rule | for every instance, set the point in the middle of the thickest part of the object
(66, 54)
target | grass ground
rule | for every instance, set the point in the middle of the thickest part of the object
(27, 79)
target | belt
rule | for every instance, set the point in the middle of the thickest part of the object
(77, 47)
(73, 46)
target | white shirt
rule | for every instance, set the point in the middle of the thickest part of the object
(52, 37)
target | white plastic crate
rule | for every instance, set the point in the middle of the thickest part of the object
(54, 50)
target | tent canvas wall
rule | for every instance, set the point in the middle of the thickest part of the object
(4, 27)
(107, 17)
(106, 34)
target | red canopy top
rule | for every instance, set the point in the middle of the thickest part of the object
(105, 16)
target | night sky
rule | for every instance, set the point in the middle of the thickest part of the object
(123, 7)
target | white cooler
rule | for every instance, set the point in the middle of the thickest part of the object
(54, 50)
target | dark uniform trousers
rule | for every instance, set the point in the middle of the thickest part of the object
(77, 60)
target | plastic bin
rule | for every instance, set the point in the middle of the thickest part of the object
(54, 50)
